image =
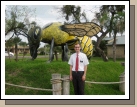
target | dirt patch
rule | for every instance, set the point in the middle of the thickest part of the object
(15, 73)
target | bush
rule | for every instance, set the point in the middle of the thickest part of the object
(42, 53)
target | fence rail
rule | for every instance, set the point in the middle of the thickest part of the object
(56, 82)
(105, 82)
(62, 85)
(29, 87)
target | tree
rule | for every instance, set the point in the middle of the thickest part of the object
(9, 43)
(41, 50)
(102, 46)
(56, 50)
(112, 20)
(75, 12)
(16, 19)
(23, 44)
(118, 25)
(110, 17)
(71, 10)
(47, 48)
(16, 40)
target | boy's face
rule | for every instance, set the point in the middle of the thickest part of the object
(77, 48)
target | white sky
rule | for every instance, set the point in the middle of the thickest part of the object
(50, 13)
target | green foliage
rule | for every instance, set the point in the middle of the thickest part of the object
(58, 48)
(41, 49)
(42, 53)
(38, 74)
(112, 16)
(15, 17)
(71, 10)
(23, 44)
(21, 25)
(9, 43)
(16, 40)
(102, 46)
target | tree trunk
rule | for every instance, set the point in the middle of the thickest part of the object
(114, 48)
(114, 53)
(23, 54)
(9, 54)
(102, 53)
(16, 52)
(97, 48)
(76, 17)
(56, 55)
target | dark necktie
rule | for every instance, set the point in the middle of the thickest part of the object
(77, 63)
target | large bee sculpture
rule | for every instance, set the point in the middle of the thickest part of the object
(57, 34)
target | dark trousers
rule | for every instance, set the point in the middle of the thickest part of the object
(78, 83)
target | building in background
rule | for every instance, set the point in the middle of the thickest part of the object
(120, 46)
(21, 49)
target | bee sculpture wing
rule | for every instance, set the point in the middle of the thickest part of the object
(81, 29)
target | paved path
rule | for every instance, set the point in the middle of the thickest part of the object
(39, 56)
(29, 57)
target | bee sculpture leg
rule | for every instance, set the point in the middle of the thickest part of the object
(51, 56)
(64, 52)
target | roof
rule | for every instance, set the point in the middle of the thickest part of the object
(107, 38)
(120, 40)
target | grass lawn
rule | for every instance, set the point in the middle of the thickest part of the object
(38, 73)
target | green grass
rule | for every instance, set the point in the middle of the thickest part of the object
(38, 73)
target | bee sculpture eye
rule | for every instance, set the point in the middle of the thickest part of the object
(37, 31)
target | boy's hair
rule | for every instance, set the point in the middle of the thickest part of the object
(77, 44)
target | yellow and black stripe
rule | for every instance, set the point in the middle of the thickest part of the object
(86, 45)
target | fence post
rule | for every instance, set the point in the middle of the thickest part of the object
(56, 84)
(122, 79)
(122, 85)
(66, 85)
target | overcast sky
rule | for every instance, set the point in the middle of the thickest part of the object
(50, 13)
(47, 12)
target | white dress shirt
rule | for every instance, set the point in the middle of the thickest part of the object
(83, 61)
